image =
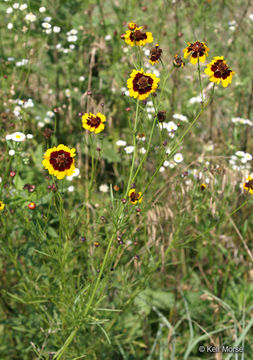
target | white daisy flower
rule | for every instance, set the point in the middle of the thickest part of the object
(76, 172)
(67, 93)
(23, 7)
(104, 188)
(162, 169)
(129, 149)
(42, 9)
(167, 151)
(243, 160)
(72, 46)
(15, 5)
(240, 153)
(142, 150)
(195, 100)
(8, 137)
(166, 163)
(30, 17)
(72, 38)
(46, 25)
(72, 32)
(10, 26)
(108, 38)
(18, 136)
(56, 29)
(9, 10)
(47, 19)
(171, 126)
(50, 114)
(180, 117)
(48, 31)
(121, 143)
(248, 156)
(251, 17)
(29, 136)
(71, 188)
(41, 124)
(178, 158)
(12, 152)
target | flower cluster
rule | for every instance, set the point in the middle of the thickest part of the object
(218, 70)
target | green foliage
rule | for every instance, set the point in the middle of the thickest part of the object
(87, 274)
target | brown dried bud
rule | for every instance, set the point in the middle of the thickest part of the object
(178, 62)
(47, 133)
(161, 116)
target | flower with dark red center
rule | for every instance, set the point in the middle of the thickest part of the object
(218, 70)
(198, 50)
(155, 54)
(140, 84)
(59, 161)
(248, 185)
(93, 123)
(135, 197)
(137, 37)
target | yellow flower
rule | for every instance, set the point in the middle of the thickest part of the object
(59, 161)
(202, 187)
(132, 26)
(93, 123)
(138, 37)
(135, 197)
(1, 205)
(140, 84)
(198, 50)
(218, 70)
(248, 185)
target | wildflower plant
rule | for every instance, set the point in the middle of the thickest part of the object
(149, 224)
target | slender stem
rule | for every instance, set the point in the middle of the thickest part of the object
(135, 147)
(180, 140)
(200, 84)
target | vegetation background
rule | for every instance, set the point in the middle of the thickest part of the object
(177, 273)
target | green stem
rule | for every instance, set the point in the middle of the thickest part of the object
(200, 84)
(135, 148)
(180, 140)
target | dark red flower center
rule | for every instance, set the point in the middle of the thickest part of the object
(142, 83)
(220, 69)
(155, 53)
(198, 49)
(138, 35)
(249, 184)
(94, 121)
(134, 197)
(61, 160)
